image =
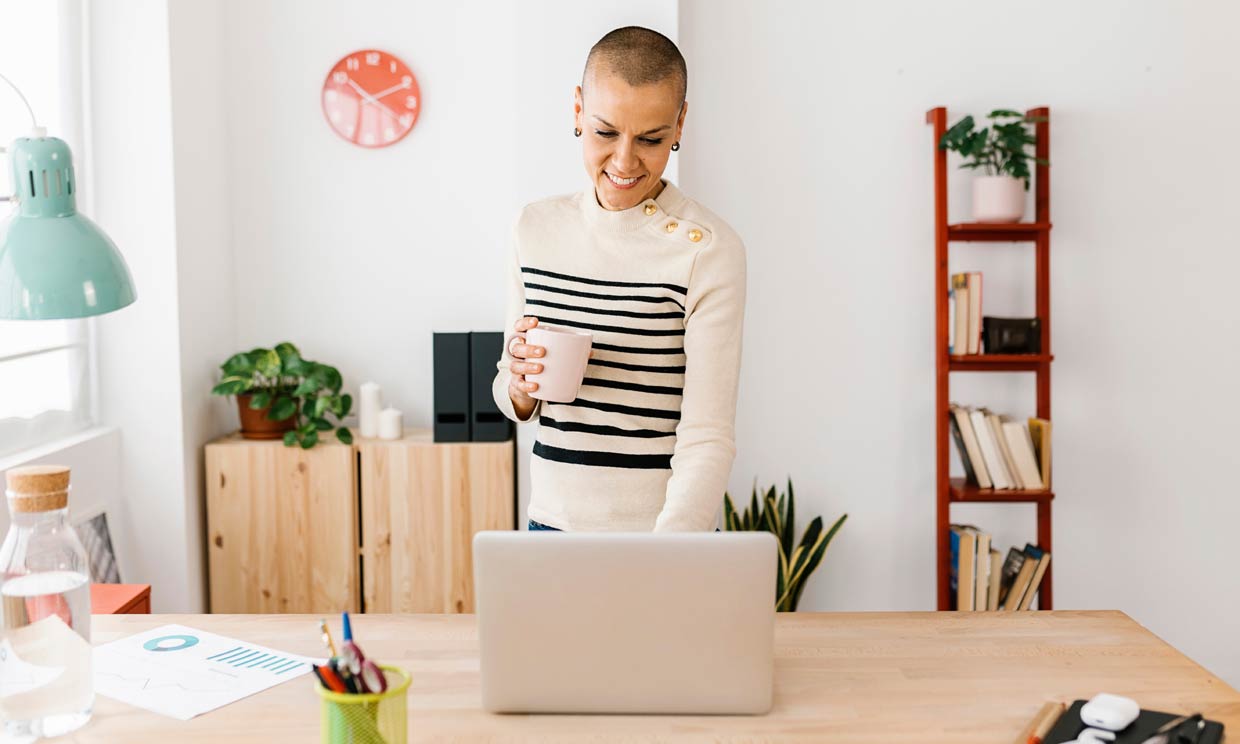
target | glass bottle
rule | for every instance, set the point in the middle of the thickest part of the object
(46, 687)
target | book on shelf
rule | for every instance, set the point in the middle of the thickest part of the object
(1001, 452)
(981, 571)
(963, 551)
(990, 450)
(1025, 460)
(960, 314)
(982, 580)
(1009, 464)
(975, 312)
(964, 313)
(1040, 433)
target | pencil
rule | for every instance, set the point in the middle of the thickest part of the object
(1040, 726)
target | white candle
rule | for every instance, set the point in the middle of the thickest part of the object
(370, 402)
(390, 424)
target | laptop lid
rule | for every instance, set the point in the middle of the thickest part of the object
(626, 622)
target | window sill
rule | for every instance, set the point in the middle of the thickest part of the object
(48, 449)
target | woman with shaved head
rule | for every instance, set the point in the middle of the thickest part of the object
(659, 282)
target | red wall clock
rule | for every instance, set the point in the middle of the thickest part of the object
(371, 99)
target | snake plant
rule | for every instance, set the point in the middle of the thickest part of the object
(777, 515)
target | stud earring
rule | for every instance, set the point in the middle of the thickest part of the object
(576, 132)
(676, 147)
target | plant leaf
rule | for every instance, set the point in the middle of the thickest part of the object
(789, 535)
(344, 435)
(238, 365)
(321, 424)
(231, 386)
(290, 438)
(260, 400)
(321, 404)
(268, 363)
(282, 408)
(309, 440)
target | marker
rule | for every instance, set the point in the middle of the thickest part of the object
(348, 627)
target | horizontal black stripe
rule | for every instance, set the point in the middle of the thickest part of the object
(638, 349)
(636, 367)
(594, 296)
(614, 329)
(617, 408)
(602, 459)
(603, 282)
(600, 311)
(614, 431)
(618, 385)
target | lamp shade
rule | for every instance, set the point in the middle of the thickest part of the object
(54, 262)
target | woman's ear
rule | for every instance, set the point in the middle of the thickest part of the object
(578, 105)
(680, 121)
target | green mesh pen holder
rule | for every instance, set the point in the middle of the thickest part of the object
(379, 718)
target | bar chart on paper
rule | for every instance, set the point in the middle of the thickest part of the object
(182, 672)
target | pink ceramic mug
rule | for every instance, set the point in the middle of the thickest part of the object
(564, 363)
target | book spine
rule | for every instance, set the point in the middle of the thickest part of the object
(969, 473)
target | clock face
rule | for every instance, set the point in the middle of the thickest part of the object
(371, 98)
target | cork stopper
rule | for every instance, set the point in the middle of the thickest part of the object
(38, 488)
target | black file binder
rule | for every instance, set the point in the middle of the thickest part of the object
(451, 380)
(486, 423)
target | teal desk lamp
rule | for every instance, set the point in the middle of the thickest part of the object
(54, 262)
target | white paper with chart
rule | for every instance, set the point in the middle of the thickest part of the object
(182, 672)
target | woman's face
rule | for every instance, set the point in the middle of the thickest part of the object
(627, 134)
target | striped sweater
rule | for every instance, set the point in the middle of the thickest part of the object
(648, 444)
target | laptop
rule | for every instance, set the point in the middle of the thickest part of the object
(679, 623)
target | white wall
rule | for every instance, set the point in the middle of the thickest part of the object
(358, 256)
(159, 190)
(806, 130)
(139, 367)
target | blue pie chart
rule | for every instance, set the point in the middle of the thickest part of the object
(162, 643)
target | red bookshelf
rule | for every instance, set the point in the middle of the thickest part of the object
(1038, 232)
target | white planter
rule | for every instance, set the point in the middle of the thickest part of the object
(998, 199)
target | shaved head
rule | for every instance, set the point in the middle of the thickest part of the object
(638, 56)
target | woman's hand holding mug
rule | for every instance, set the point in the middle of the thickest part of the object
(570, 347)
(519, 388)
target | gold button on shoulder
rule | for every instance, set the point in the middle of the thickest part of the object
(695, 235)
(651, 209)
(671, 227)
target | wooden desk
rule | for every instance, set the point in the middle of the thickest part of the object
(868, 677)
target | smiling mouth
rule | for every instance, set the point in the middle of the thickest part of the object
(621, 182)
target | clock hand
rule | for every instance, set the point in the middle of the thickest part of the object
(390, 91)
(371, 99)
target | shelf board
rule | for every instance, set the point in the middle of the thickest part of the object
(1009, 232)
(997, 362)
(963, 492)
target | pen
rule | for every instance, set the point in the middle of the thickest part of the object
(327, 637)
(1042, 723)
(329, 678)
(348, 627)
(346, 677)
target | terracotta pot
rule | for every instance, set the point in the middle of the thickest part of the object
(256, 425)
(998, 199)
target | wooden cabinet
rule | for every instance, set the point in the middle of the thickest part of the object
(378, 526)
(417, 552)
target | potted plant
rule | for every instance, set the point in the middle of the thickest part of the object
(777, 516)
(281, 395)
(999, 150)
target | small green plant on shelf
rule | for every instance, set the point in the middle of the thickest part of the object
(301, 393)
(777, 515)
(998, 149)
